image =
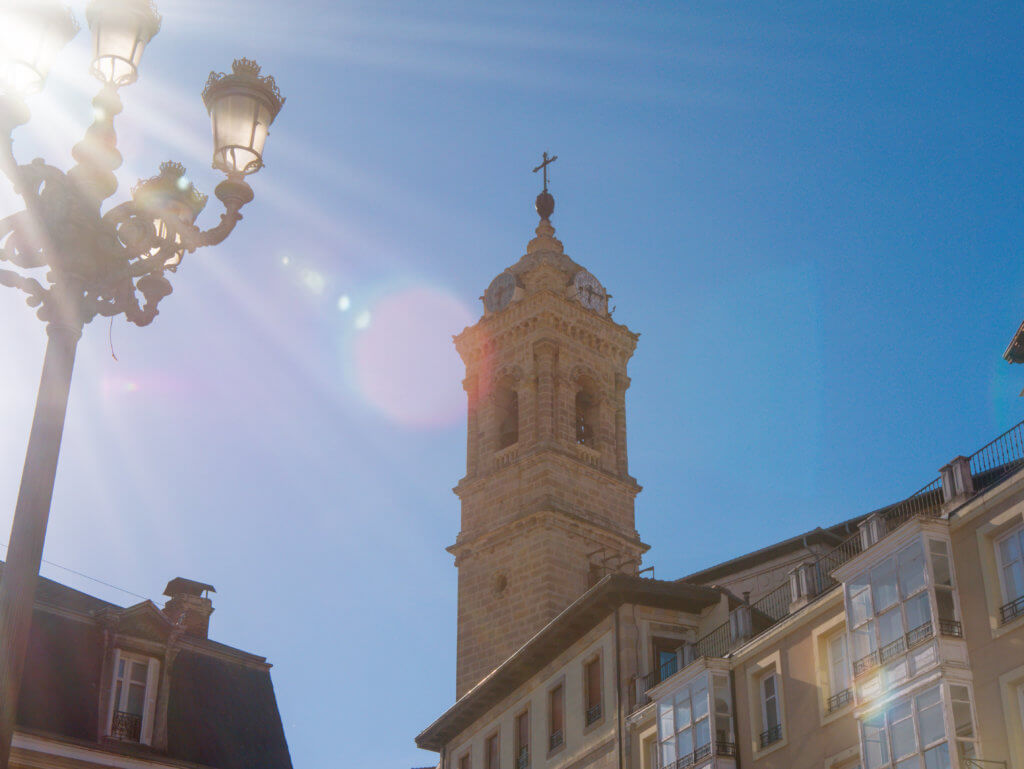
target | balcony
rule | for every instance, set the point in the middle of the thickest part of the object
(771, 736)
(593, 714)
(1011, 610)
(126, 726)
(703, 753)
(523, 759)
(555, 740)
(838, 701)
(915, 637)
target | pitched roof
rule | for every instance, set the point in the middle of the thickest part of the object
(222, 711)
(578, 618)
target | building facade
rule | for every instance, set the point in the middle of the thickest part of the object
(141, 688)
(894, 640)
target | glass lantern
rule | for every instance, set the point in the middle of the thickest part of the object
(172, 202)
(120, 31)
(32, 32)
(242, 105)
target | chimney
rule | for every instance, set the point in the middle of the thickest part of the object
(190, 606)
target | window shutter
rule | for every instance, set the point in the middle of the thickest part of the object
(152, 684)
(113, 693)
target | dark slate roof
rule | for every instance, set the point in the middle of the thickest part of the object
(578, 618)
(222, 711)
(831, 537)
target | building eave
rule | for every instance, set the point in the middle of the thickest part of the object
(1015, 350)
(583, 614)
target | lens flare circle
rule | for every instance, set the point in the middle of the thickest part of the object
(405, 363)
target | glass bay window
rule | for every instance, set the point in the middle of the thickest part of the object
(933, 729)
(695, 722)
(894, 605)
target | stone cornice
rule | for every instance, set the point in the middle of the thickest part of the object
(545, 310)
(537, 454)
(566, 520)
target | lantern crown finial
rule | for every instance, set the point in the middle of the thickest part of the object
(170, 185)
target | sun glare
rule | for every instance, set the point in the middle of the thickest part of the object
(404, 363)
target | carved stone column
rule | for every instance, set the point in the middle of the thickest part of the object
(472, 388)
(621, 456)
(545, 352)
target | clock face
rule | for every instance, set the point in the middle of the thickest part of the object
(589, 291)
(499, 293)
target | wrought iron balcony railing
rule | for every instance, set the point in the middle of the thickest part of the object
(702, 753)
(126, 726)
(593, 714)
(523, 759)
(771, 736)
(951, 628)
(1011, 610)
(555, 740)
(840, 700)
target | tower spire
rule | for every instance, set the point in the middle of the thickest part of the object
(545, 203)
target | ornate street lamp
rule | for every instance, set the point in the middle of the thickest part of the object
(87, 261)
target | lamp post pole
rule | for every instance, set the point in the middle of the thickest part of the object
(97, 263)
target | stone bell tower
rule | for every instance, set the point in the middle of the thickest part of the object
(547, 501)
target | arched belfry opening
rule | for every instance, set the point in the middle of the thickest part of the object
(586, 416)
(507, 416)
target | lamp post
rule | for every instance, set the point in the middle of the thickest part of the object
(76, 261)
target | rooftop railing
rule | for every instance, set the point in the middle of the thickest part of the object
(990, 464)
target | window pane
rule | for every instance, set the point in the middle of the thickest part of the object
(937, 757)
(890, 627)
(1013, 577)
(928, 698)
(962, 719)
(136, 698)
(863, 641)
(557, 703)
(883, 585)
(769, 686)
(940, 567)
(723, 700)
(900, 711)
(685, 743)
(771, 714)
(932, 728)
(701, 733)
(1009, 549)
(904, 742)
(723, 729)
(911, 570)
(683, 709)
(700, 703)
(668, 752)
(593, 676)
(139, 672)
(860, 606)
(876, 749)
(914, 762)
(918, 611)
(944, 603)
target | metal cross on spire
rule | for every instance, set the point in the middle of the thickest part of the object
(544, 166)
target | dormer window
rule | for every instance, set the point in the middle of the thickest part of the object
(133, 697)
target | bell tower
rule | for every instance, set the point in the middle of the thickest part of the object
(547, 500)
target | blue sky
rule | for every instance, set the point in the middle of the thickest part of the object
(812, 213)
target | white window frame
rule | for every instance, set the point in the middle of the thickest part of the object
(833, 689)
(149, 694)
(1017, 533)
(774, 678)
